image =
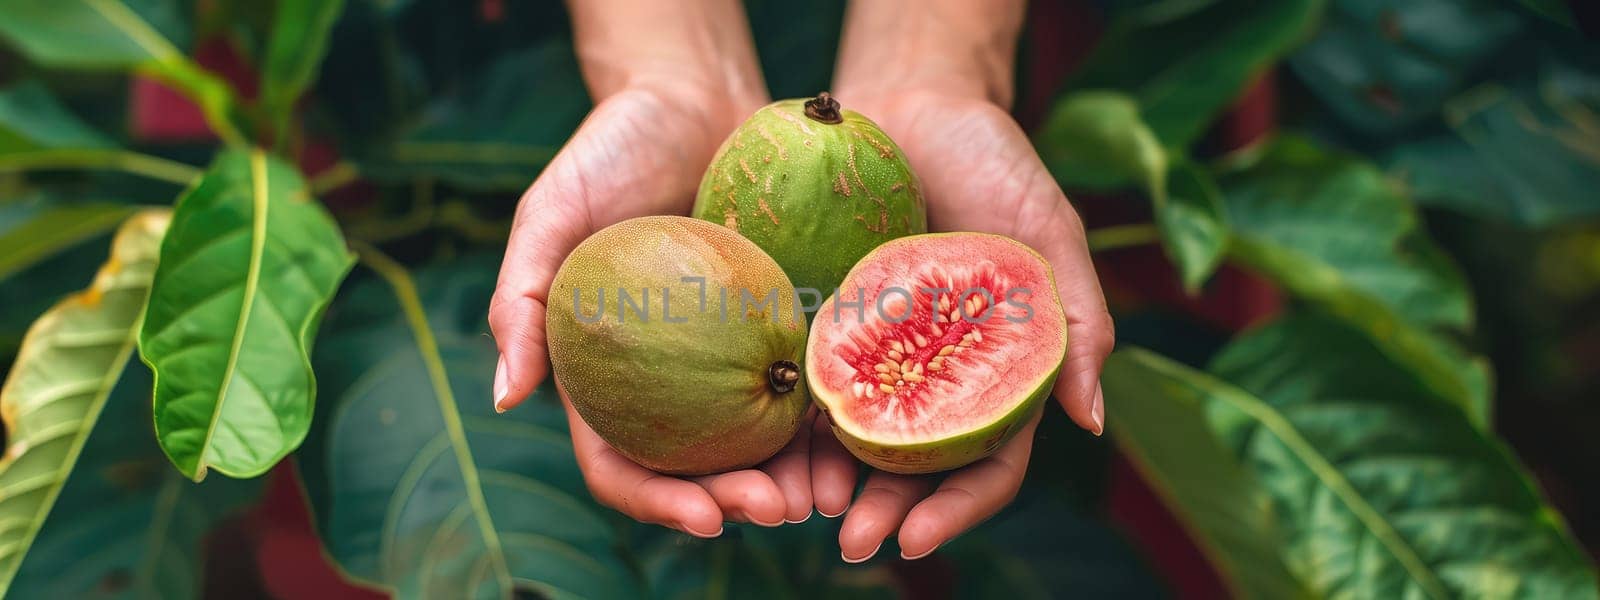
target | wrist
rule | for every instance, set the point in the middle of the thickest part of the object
(698, 52)
(949, 48)
(710, 82)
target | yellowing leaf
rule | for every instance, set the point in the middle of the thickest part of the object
(67, 366)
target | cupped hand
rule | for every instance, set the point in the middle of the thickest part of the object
(980, 173)
(640, 152)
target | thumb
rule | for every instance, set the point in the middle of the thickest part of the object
(547, 227)
(625, 160)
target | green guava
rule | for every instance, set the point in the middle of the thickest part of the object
(815, 186)
(680, 344)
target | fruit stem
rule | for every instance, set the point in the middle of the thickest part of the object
(783, 375)
(824, 109)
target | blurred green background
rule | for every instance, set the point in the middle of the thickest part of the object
(1370, 255)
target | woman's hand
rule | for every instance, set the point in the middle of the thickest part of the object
(979, 173)
(938, 79)
(671, 82)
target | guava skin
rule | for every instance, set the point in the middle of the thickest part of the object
(815, 195)
(695, 394)
(949, 453)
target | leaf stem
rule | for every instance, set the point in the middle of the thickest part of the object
(339, 175)
(211, 95)
(145, 165)
(1122, 236)
(411, 304)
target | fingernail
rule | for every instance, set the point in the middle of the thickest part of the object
(925, 553)
(744, 517)
(686, 529)
(834, 515)
(802, 519)
(1099, 410)
(863, 559)
(500, 384)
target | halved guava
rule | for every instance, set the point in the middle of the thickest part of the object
(937, 349)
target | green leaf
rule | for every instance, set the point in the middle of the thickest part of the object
(793, 561)
(497, 131)
(1193, 224)
(1158, 412)
(50, 229)
(31, 291)
(246, 270)
(1382, 66)
(1184, 70)
(134, 163)
(38, 133)
(1381, 485)
(300, 30)
(66, 367)
(1040, 546)
(389, 61)
(797, 43)
(1154, 12)
(683, 568)
(1096, 139)
(125, 525)
(1331, 230)
(1555, 10)
(31, 118)
(83, 33)
(1525, 153)
(419, 487)
(108, 34)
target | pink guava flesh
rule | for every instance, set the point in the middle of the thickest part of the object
(985, 330)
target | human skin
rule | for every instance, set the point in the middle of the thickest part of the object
(937, 76)
(670, 80)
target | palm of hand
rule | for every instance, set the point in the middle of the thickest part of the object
(640, 152)
(979, 173)
(978, 170)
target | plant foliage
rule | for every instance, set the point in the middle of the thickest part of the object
(1345, 448)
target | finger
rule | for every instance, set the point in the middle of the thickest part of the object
(790, 469)
(1059, 237)
(878, 512)
(615, 167)
(968, 496)
(833, 469)
(638, 492)
(518, 329)
(547, 227)
(746, 496)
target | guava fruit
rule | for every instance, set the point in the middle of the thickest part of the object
(815, 186)
(937, 349)
(679, 342)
